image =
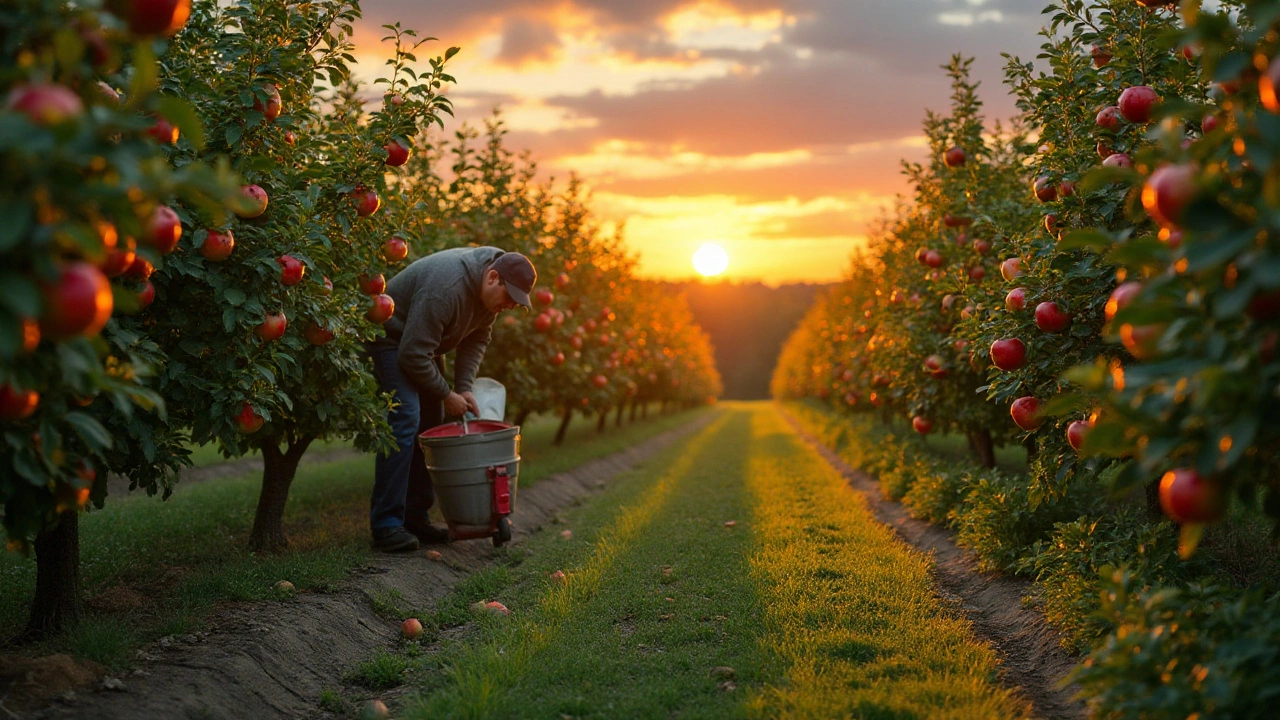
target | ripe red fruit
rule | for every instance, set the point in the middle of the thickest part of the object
(152, 17)
(1120, 297)
(326, 288)
(110, 93)
(933, 259)
(1209, 123)
(920, 424)
(397, 152)
(1016, 299)
(45, 104)
(367, 201)
(119, 259)
(600, 381)
(1066, 189)
(411, 629)
(1011, 268)
(977, 273)
(562, 281)
(1142, 341)
(1050, 317)
(1108, 118)
(395, 249)
(1104, 149)
(933, 365)
(1166, 193)
(253, 202)
(1051, 224)
(1044, 189)
(1100, 56)
(954, 157)
(165, 229)
(248, 421)
(1026, 413)
(146, 295)
(955, 220)
(1076, 432)
(272, 327)
(315, 334)
(542, 322)
(382, 309)
(78, 303)
(1120, 160)
(1268, 83)
(543, 297)
(290, 137)
(920, 255)
(1186, 497)
(576, 342)
(30, 334)
(217, 245)
(17, 404)
(557, 359)
(291, 270)
(1008, 353)
(1137, 102)
(139, 269)
(982, 246)
(373, 284)
(270, 108)
(164, 132)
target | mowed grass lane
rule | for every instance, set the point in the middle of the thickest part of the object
(819, 611)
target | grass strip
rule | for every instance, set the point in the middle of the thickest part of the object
(152, 568)
(806, 608)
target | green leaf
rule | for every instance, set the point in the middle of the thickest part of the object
(17, 218)
(1084, 239)
(235, 296)
(145, 74)
(180, 113)
(89, 430)
(19, 294)
(234, 133)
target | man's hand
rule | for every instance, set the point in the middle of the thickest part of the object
(457, 405)
(472, 405)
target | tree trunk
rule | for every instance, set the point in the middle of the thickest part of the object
(635, 407)
(984, 450)
(1030, 445)
(644, 411)
(278, 470)
(564, 427)
(1152, 492)
(622, 406)
(603, 420)
(56, 605)
(520, 419)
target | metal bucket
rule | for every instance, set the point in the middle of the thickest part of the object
(474, 467)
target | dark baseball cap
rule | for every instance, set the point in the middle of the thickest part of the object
(518, 275)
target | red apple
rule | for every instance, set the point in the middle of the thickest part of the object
(1166, 193)
(1050, 317)
(270, 108)
(152, 17)
(272, 327)
(1108, 118)
(1268, 84)
(1119, 160)
(1142, 341)
(1137, 102)
(139, 269)
(1044, 189)
(78, 303)
(326, 286)
(543, 297)
(1066, 189)
(393, 99)
(1016, 299)
(1170, 236)
(164, 132)
(290, 137)
(291, 270)
(397, 152)
(920, 254)
(557, 359)
(217, 245)
(1026, 413)
(1051, 224)
(45, 104)
(1104, 149)
(1186, 497)
(1076, 433)
(1008, 353)
(955, 220)
(382, 309)
(933, 259)
(1120, 297)
(576, 342)
(954, 157)
(933, 365)
(17, 404)
(373, 284)
(315, 334)
(366, 200)
(1011, 268)
(248, 421)
(982, 246)
(542, 322)
(411, 629)
(562, 281)
(395, 249)
(600, 381)
(920, 424)
(253, 202)
(119, 259)
(1100, 56)
(146, 295)
(165, 229)
(977, 273)
(1209, 123)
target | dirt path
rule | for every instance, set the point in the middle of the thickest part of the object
(272, 660)
(1033, 661)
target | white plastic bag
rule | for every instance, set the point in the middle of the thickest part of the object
(491, 396)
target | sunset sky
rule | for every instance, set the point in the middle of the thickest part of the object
(773, 128)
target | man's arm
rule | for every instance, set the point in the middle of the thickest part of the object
(418, 344)
(470, 353)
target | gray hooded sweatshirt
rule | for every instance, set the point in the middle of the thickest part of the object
(438, 310)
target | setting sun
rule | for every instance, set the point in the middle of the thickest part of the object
(710, 260)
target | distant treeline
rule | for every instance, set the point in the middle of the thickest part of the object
(748, 324)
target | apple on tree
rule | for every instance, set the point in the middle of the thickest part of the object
(543, 297)
(381, 310)
(397, 152)
(1076, 433)
(271, 107)
(1166, 193)
(146, 295)
(165, 229)
(1026, 413)
(217, 245)
(1011, 269)
(253, 202)
(248, 421)
(317, 335)
(562, 281)
(152, 17)
(272, 327)
(78, 303)
(164, 132)
(395, 249)
(373, 284)
(118, 259)
(1108, 118)
(542, 322)
(366, 200)
(1187, 497)
(1050, 317)
(17, 404)
(919, 423)
(1008, 353)
(954, 157)
(1016, 299)
(1136, 103)
(1117, 160)
(291, 270)
(45, 104)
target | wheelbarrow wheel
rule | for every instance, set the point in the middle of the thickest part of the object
(503, 535)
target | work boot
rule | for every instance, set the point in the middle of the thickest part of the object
(429, 534)
(394, 539)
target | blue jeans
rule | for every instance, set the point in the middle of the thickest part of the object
(402, 490)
